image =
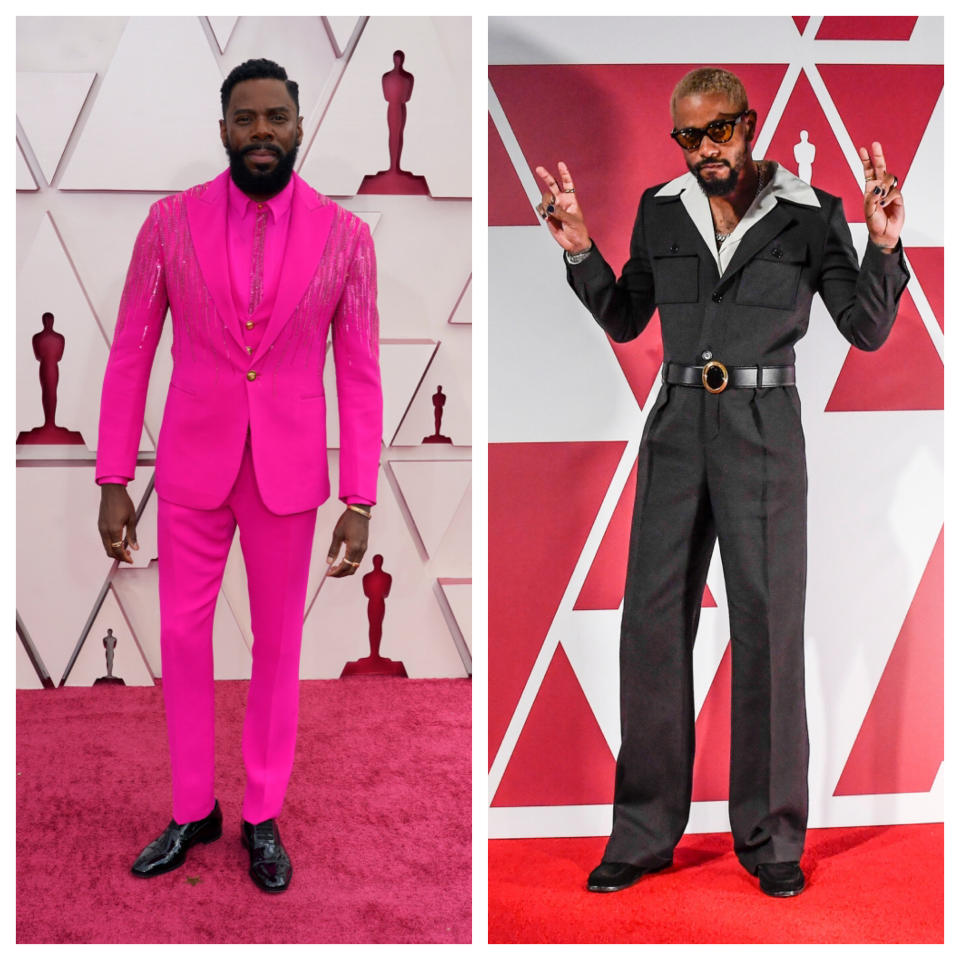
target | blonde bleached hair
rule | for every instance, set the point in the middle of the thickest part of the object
(710, 80)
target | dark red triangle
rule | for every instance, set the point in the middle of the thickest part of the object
(543, 500)
(927, 264)
(561, 756)
(711, 763)
(801, 22)
(831, 170)
(866, 28)
(641, 359)
(917, 89)
(604, 585)
(507, 204)
(899, 748)
(906, 373)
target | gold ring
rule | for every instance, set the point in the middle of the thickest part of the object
(569, 190)
(351, 562)
(704, 374)
(119, 543)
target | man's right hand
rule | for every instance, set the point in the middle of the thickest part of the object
(561, 212)
(116, 512)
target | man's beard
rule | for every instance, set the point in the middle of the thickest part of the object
(717, 187)
(267, 183)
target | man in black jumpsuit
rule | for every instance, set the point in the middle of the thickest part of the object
(731, 254)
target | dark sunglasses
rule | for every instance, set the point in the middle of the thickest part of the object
(719, 131)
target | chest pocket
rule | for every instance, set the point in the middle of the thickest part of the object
(676, 278)
(772, 277)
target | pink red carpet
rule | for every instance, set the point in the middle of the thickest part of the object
(377, 820)
(864, 885)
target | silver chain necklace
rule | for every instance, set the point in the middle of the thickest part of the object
(723, 236)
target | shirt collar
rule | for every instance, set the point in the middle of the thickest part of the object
(784, 185)
(241, 204)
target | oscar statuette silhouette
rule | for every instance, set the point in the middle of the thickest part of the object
(439, 399)
(48, 346)
(397, 90)
(376, 587)
(109, 644)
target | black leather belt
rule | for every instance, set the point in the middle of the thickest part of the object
(714, 377)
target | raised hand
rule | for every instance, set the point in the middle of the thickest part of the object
(561, 211)
(882, 201)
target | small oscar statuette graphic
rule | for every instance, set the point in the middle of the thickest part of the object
(397, 90)
(439, 399)
(109, 644)
(48, 348)
(376, 587)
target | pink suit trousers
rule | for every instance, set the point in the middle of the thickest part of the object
(193, 548)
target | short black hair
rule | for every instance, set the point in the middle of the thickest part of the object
(257, 70)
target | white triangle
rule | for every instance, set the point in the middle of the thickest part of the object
(27, 678)
(47, 283)
(222, 28)
(25, 179)
(454, 556)
(128, 661)
(459, 596)
(340, 30)
(450, 369)
(432, 491)
(169, 141)
(462, 312)
(48, 105)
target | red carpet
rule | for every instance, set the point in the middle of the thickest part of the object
(377, 820)
(864, 885)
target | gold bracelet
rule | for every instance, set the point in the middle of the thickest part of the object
(356, 508)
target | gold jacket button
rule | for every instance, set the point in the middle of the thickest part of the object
(250, 324)
(252, 375)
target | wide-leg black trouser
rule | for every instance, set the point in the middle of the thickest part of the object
(728, 467)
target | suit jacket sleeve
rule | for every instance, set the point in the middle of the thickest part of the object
(622, 307)
(862, 301)
(356, 356)
(143, 307)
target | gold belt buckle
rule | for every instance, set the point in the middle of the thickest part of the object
(705, 376)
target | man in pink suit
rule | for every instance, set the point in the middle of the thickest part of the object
(256, 268)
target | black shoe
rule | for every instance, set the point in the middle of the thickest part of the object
(169, 850)
(610, 877)
(270, 866)
(781, 879)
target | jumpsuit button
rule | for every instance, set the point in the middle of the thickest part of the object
(777, 252)
(250, 324)
(706, 355)
(674, 248)
(252, 375)
(717, 297)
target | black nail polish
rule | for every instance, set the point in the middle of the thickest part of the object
(876, 189)
(550, 208)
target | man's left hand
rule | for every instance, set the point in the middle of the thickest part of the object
(351, 530)
(882, 200)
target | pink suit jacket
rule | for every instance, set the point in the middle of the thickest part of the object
(218, 390)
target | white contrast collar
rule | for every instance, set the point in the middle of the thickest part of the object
(784, 185)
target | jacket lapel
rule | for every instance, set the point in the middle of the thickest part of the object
(207, 216)
(310, 222)
(758, 236)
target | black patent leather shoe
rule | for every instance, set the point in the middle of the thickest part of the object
(610, 877)
(270, 867)
(169, 850)
(781, 879)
